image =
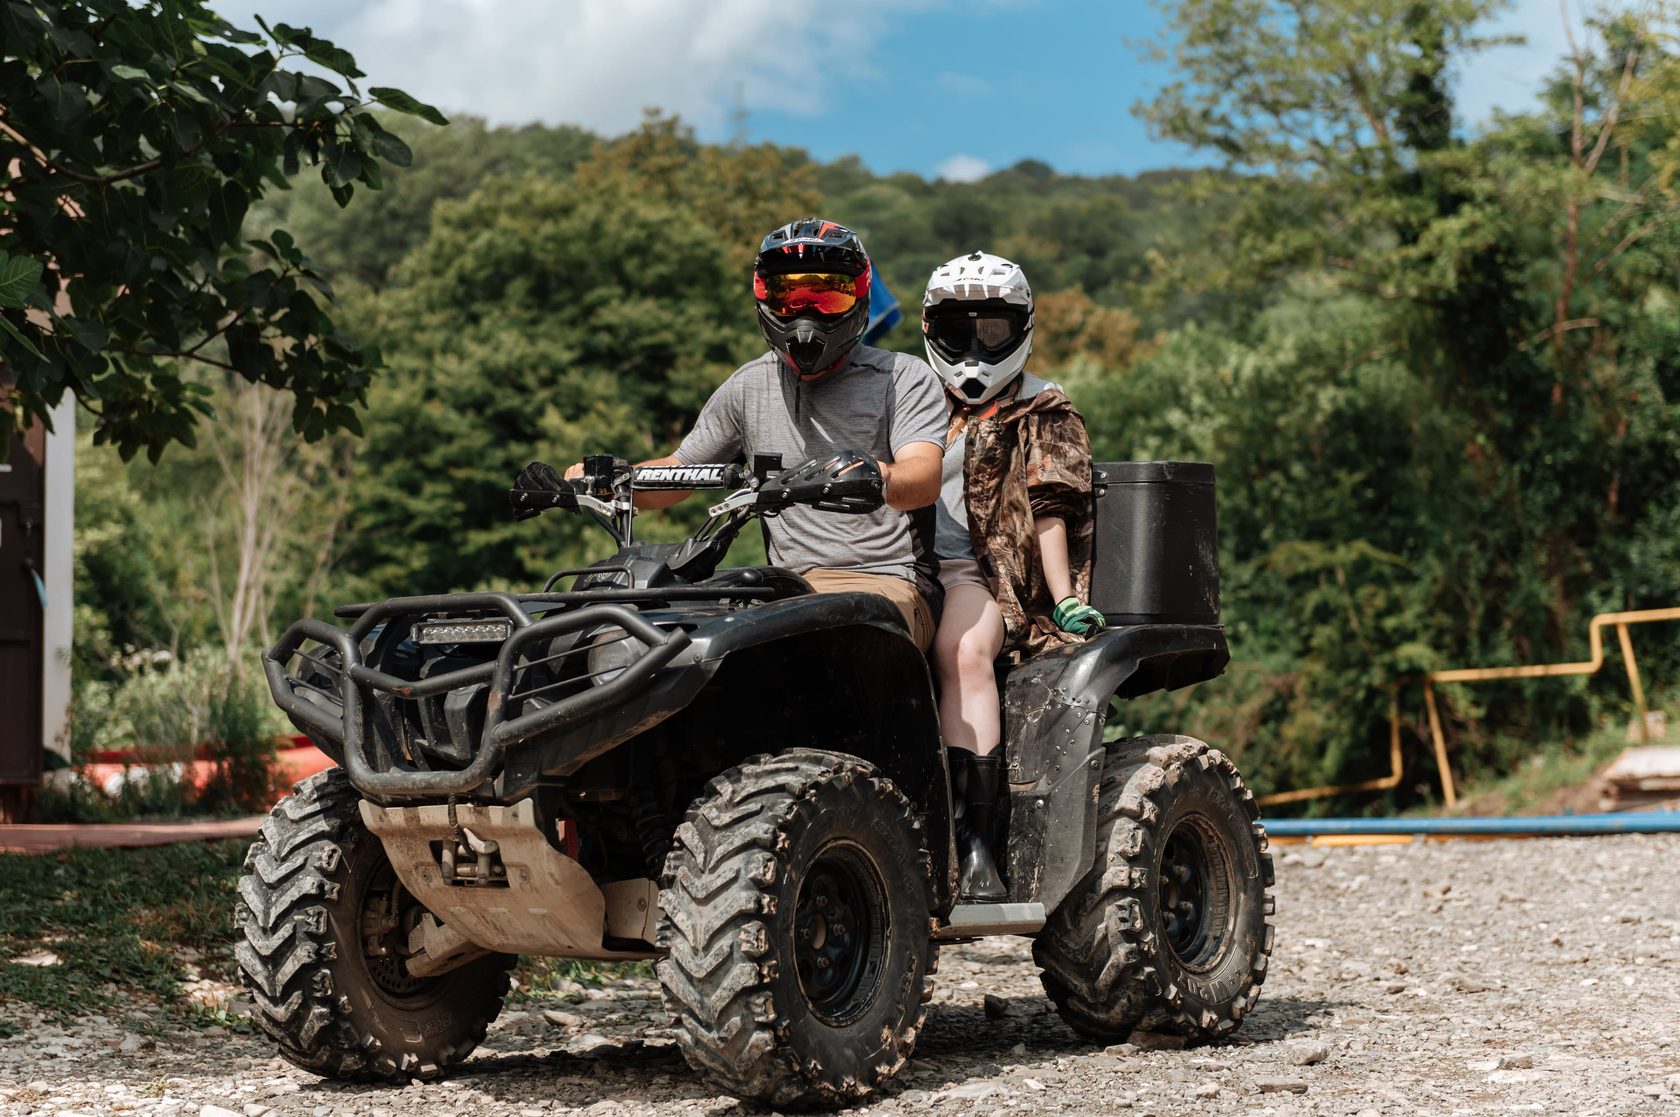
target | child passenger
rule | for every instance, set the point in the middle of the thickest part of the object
(1013, 531)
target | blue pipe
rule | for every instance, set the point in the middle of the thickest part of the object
(1633, 822)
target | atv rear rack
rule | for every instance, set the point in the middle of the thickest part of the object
(356, 683)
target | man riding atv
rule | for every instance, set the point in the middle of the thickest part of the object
(819, 392)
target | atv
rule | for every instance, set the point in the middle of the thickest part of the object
(719, 769)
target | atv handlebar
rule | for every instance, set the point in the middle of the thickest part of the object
(848, 481)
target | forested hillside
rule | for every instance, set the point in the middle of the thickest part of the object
(1438, 368)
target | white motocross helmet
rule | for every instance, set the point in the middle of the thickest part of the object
(977, 320)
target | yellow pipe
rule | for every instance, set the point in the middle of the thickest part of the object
(1632, 666)
(1545, 670)
(1449, 792)
(1382, 783)
(1437, 738)
(1595, 638)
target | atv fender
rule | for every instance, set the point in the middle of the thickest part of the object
(1054, 709)
(674, 688)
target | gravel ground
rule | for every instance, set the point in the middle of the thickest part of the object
(1445, 978)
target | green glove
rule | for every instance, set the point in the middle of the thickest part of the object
(1073, 615)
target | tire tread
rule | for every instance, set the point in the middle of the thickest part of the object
(1096, 955)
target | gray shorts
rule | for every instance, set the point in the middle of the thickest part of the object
(954, 572)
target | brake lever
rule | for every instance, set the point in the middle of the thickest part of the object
(740, 498)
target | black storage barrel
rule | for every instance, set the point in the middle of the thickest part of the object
(1157, 543)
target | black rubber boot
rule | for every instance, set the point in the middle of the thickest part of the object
(977, 875)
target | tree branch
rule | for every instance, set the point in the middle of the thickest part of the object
(1614, 110)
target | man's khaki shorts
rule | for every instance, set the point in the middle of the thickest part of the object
(917, 613)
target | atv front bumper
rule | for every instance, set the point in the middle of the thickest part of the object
(343, 700)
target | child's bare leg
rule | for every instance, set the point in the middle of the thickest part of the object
(967, 644)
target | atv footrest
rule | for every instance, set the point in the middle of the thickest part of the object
(968, 921)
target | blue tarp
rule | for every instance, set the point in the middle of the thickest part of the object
(1626, 822)
(884, 311)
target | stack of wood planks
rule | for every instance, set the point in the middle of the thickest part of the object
(1643, 777)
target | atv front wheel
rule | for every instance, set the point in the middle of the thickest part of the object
(324, 925)
(795, 910)
(1168, 930)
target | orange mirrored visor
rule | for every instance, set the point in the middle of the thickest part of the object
(806, 293)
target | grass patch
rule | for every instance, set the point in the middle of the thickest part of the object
(541, 979)
(117, 920)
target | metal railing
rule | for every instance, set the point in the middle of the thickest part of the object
(1449, 791)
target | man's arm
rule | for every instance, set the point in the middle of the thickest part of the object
(716, 437)
(918, 420)
(912, 477)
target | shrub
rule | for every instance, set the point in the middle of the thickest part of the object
(166, 712)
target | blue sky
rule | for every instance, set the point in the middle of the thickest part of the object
(939, 87)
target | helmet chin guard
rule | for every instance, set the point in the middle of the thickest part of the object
(810, 346)
(977, 320)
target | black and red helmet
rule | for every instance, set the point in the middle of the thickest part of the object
(811, 281)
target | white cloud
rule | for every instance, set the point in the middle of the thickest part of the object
(599, 63)
(963, 168)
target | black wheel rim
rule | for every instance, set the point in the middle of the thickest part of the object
(1196, 887)
(839, 933)
(388, 914)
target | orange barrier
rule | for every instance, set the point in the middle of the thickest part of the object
(290, 765)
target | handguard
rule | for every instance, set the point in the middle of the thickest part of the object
(538, 488)
(849, 481)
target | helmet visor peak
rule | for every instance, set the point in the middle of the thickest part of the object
(796, 293)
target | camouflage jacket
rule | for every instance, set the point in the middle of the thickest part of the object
(1025, 459)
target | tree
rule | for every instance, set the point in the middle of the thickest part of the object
(537, 321)
(134, 138)
(364, 244)
(1447, 432)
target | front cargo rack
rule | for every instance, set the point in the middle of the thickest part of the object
(394, 732)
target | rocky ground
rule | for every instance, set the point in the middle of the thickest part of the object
(1445, 978)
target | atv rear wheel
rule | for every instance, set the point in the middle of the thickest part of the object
(1168, 930)
(324, 925)
(795, 910)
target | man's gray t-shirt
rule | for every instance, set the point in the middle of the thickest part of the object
(879, 403)
(951, 538)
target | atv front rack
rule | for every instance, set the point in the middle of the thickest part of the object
(356, 685)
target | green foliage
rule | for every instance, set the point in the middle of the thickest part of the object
(548, 979)
(165, 713)
(447, 164)
(118, 920)
(138, 136)
(1439, 399)
(537, 321)
(1067, 231)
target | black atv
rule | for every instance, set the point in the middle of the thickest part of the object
(722, 770)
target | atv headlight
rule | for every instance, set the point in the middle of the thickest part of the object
(463, 632)
(613, 650)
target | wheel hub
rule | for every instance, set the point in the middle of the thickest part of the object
(839, 925)
(389, 913)
(1187, 886)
